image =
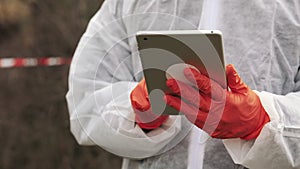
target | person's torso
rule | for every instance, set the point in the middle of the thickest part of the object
(261, 38)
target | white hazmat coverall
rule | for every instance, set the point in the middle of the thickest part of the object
(262, 40)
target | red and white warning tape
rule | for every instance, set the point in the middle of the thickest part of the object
(31, 62)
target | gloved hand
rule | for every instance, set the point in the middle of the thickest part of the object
(144, 116)
(221, 113)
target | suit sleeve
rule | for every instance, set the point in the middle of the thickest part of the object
(101, 79)
(278, 145)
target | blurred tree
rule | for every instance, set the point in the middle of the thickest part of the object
(12, 13)
(43, 27)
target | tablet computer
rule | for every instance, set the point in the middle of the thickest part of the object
(165, 54)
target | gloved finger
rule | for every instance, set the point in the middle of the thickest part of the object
(139, 97)
(179, 105)
(234, 80)
(190, 94)
(204, 84)
(153, 124)
(148, 118)
(193, 114)
(199, 120)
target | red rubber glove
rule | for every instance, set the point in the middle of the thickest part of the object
(221, 113)
(144, 116)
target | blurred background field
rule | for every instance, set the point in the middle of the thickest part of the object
(34, 120)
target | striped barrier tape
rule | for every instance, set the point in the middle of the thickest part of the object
(32, 62)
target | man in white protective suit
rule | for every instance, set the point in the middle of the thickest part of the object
(262, 45)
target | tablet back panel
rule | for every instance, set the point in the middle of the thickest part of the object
(159, 51)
